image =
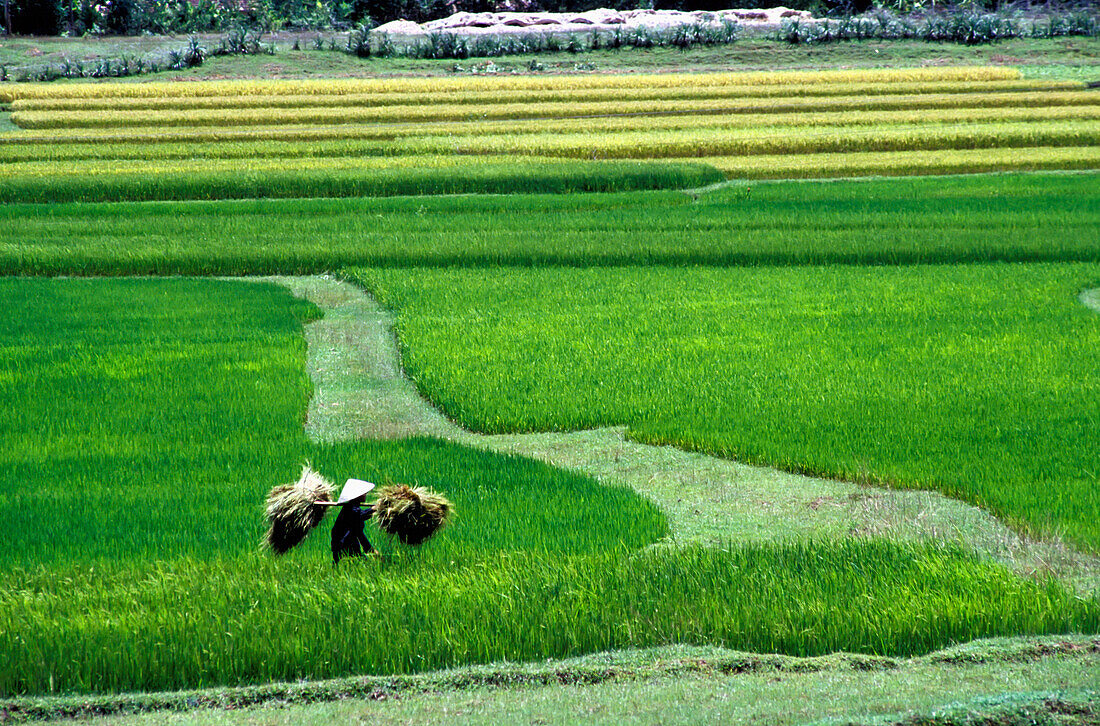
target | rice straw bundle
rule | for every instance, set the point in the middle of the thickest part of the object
(292, 510)
(411, 515)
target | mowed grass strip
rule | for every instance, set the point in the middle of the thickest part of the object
(574, 95)
(173, 405)
(437, 85)
(1020, 217)
(978, 381)
(463, 112)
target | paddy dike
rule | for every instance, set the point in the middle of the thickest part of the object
(361, 392)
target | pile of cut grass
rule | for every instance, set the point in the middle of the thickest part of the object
(977, 381)
(173, 405)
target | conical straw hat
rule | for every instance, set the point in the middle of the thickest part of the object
(353, 489)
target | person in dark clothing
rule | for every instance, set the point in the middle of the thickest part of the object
(348, 539)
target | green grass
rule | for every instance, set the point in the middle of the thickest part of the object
(250, 620)
(973, 380)
(130, 561)
(169, 408)
(1007, 217)
(326, 178)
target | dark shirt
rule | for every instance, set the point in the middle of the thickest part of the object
(347, 533)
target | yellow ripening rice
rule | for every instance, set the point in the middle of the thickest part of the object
(97, 143)
(463, 112)
(425, 85)
(726, 142)
(109, 167)
(571, 95)
(904, 163)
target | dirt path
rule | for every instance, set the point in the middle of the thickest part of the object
(362, 392)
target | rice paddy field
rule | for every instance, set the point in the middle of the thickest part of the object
(207, 140)
(669, 253)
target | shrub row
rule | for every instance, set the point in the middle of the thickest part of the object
(969, 26)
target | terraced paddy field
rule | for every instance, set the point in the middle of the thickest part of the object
(882, 391)
(95, 142)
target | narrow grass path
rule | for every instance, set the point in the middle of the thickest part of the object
(361, 392)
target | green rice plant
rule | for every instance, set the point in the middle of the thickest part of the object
(131, 561)
(349, 177)
(971, 380)
(250, 620)
(425, 85)
(1011, 217)
(463, 112)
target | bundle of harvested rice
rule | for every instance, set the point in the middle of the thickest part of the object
(411, 515)
(292, 510)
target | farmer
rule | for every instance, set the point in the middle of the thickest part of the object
(347, 533)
